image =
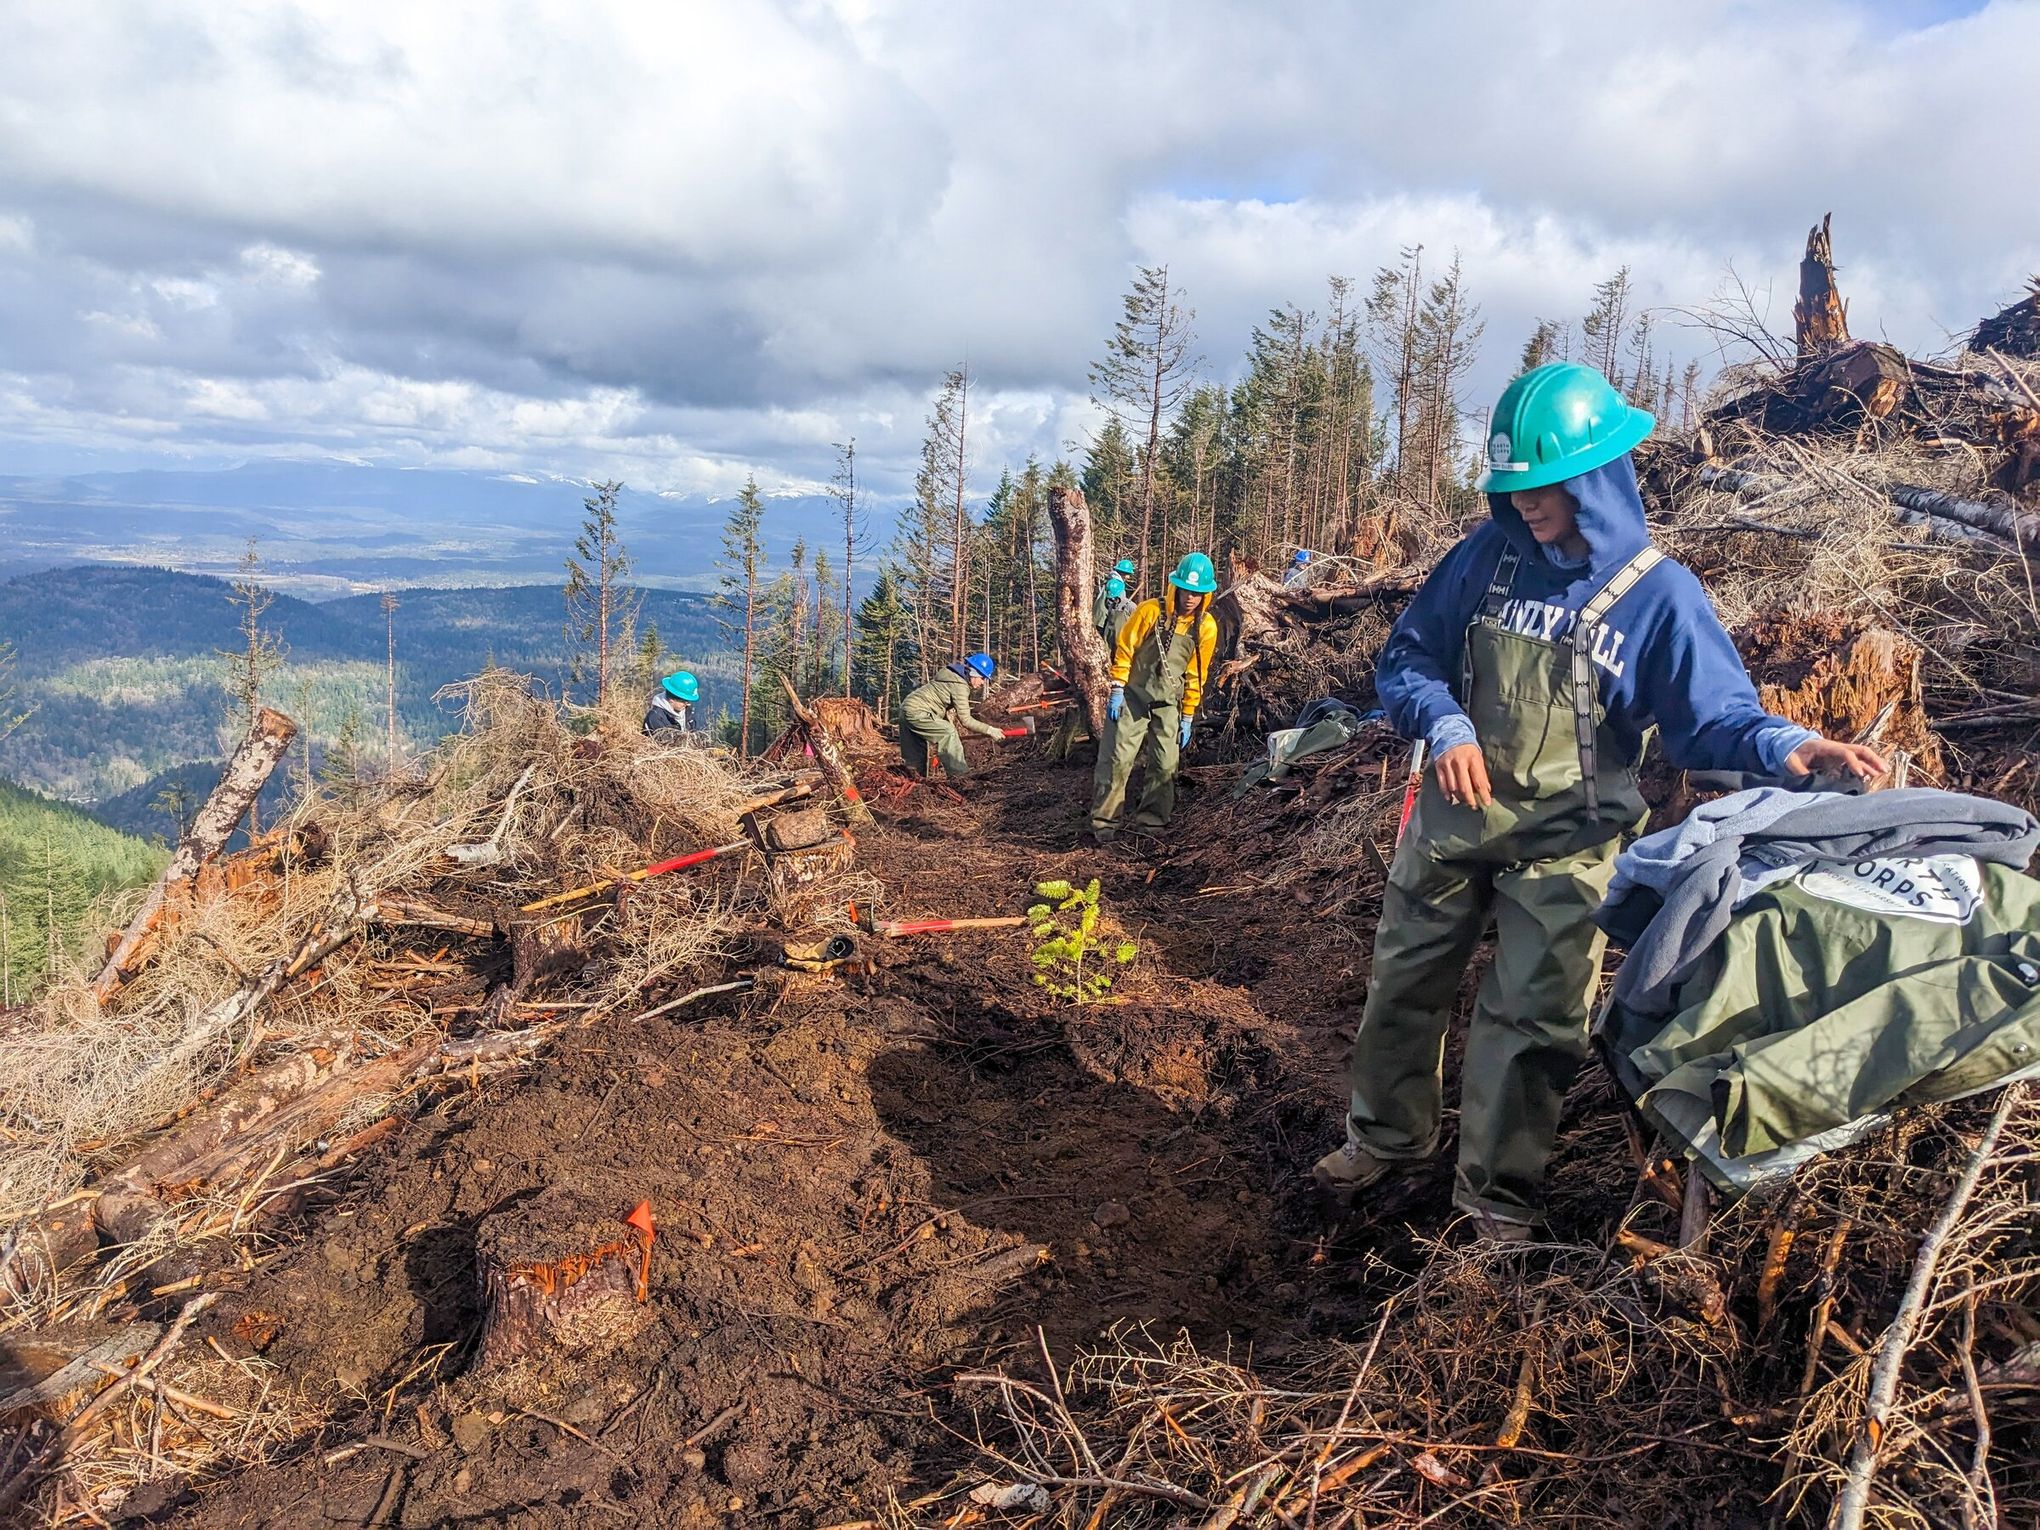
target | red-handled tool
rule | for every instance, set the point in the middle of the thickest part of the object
(1025, 730)
(892, 929)
(1409, 796)
(656, 869)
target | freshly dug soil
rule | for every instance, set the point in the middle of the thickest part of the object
(861, 1188)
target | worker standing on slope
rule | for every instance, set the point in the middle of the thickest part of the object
(1117, 609)
(932, 714)
(1101, 608)
(1534, 661)
(1159, 666)
(671, 708)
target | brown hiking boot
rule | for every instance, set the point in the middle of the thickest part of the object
(1344, 1172)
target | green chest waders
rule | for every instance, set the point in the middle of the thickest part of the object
(927, 726)
(1146, 731)
(1536, 862)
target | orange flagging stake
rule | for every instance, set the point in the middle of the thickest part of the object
(557, 1276)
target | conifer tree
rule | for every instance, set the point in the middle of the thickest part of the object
(843, 489)
(599, 605)
(884, 629)
(743, 560)
(1145, 373)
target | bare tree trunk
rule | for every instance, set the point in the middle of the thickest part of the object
(959, 578)
(389, 609)
(750, 651)
(1069, 517)
(240, 784)
(1820, 318)
(829, 757)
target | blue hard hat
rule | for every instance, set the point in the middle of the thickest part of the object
(1302, 555)
(1115, 588)
(1125, 567)
(682, 686)
(982, 663)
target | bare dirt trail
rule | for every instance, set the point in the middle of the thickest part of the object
(862, 1188)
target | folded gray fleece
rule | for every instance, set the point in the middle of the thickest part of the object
(1674, 891)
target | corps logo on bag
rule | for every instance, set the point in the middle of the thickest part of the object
(1941, 888)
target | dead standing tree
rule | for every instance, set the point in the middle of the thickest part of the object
(1069, 516)
(1820, 318)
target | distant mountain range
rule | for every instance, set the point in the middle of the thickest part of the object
(121, 665)
(336, 528)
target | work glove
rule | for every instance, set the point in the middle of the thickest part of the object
(1183, 735)
(1117, 704)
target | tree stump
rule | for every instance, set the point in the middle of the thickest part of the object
(562, 1273)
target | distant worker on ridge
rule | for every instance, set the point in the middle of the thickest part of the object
(1158, 672)
(932, 714)
(671, 709)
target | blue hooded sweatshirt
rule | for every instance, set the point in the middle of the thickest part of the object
(1661, 654)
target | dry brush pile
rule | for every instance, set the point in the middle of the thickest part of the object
(295, 1006)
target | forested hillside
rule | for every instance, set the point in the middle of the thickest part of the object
(58, 869)
(123, 667)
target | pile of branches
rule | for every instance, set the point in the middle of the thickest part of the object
(264, 1024)
(1863, 1339)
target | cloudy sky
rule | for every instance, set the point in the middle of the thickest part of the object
(678, 241)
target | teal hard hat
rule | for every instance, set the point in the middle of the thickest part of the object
(1115, 588)
(1124, 568)
(1556, 422)
(682, 686)
(1196, 575)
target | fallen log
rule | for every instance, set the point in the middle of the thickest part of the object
(1085, 660)
(239, 785)
(2000, 526)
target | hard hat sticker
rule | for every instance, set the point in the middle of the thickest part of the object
(1943, 889)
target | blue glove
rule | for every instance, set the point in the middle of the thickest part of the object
(1117, 704)
(1183, 735)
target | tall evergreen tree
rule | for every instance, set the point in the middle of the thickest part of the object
(743, 560)
(1145, 373)
(843, 489)
(599, 604)
(884, 631)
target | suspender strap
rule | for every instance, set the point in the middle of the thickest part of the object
(1584, 689)
(1490, 613)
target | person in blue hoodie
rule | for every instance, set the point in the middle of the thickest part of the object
(1534, 662)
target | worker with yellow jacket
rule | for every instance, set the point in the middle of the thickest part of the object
(1159, 665)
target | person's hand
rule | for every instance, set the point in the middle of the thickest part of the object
(1117, 704)
(1183, 735)
(1826, 756)
(1463, 777)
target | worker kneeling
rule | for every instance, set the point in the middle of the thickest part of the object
(932, 714)
(1534, 661)
(1159, 665)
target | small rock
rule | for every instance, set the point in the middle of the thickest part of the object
(1244, 1197)
(694, 1460)
(470, 1431)
(463, 1480)
(1288, 1291)
(1112, 1214)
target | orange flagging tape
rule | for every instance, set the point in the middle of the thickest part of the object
(557, 1276)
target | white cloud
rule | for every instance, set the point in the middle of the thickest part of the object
(677, 243)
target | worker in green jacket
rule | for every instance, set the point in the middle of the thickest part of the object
(1101, 608)
(1534, 662)
(1160, 662)
(932, 714)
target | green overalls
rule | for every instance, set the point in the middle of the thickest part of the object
(1154, 691)
(1538, 860)
(929, 718)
